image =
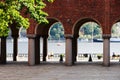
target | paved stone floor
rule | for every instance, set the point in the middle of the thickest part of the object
(58, 71)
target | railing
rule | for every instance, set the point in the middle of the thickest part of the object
(80, 56)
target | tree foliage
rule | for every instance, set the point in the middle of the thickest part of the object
(10, 12)
(116, 30)
(34, 8)
(90, 29)
(56, 31)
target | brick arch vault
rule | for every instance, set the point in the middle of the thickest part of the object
(69, 13)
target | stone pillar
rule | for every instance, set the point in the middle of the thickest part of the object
(106, 50)
(74, 46)
(15, 47)
(45, 46)
(68, 54)
(33, 49)
(3, 50)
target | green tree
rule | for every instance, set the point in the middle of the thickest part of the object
(87, 29)
(10, 12)
(57, 31)
(57, 36)
(97, 30)
(90, 29)
(116, 30)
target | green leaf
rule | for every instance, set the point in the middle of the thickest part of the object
(10, 12)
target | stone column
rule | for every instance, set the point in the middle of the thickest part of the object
(68, 54)
(3, 50)
(75, 48)
(45, 46)
(106, 50)
(15, 47)
(33, 50)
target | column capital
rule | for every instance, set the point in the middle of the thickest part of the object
(69, 36)
(106, 36)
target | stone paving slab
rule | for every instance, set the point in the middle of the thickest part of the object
(58, 71)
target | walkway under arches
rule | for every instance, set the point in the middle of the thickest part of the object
(103, 12)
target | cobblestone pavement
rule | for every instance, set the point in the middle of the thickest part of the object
(58, 71)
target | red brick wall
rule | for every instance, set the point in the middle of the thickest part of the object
(74, 10)
(114, 11)
(68, 12)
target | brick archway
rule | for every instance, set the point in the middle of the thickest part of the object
(76, 29)
(80, 22)
(43, 29)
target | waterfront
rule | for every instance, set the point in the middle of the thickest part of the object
(59, 47)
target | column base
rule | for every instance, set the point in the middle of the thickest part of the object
(69, 64)
(106, 64)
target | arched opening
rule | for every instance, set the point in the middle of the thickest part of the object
(89, 41)
(56, 42)
(9, 46)
(90, 45)
(22, 45)
(115, 43)
(50, 39)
